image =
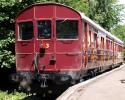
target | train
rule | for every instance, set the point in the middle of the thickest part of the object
(56, 44)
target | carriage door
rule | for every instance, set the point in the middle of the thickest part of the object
(68, 47)
(44, 44)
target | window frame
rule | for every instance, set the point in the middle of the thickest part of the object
(70, 19)
(18, 30)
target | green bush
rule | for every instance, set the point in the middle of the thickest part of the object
(12, 96)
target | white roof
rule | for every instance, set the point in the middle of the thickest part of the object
(100, 28)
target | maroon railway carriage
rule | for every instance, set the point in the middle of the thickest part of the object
(55, 42)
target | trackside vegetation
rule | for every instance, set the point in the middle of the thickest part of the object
(12, 96)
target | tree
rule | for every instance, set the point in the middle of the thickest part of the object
(119, 31)
(105, 12)
(6, 34)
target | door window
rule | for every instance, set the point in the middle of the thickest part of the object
(44, 29)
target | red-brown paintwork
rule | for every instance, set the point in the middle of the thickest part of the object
(68, 53)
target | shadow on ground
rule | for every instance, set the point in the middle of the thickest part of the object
(40, 97)
(6, 85)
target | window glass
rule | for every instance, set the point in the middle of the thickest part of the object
(26, 30)
(89, 38)
(95, 40)
(102, 43)
(111, 47)
(44, 29)
(66, 29)
(107, 44)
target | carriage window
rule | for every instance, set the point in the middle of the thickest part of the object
(26, 30)
(66, 29)
(107, 44)
(95, 40)
(90, 38)
(102, 43)
(44, 29)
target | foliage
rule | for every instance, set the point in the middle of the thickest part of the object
(6, 51)
(14, 96)
(106, 12)
(119, 31)
(6, 33)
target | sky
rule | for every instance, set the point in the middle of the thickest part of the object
(122, 1)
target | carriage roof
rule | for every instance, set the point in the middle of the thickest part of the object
(85, 18)
(100, 28)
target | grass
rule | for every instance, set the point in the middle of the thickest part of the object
(11, 96)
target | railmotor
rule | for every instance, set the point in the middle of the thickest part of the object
(56, 44)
